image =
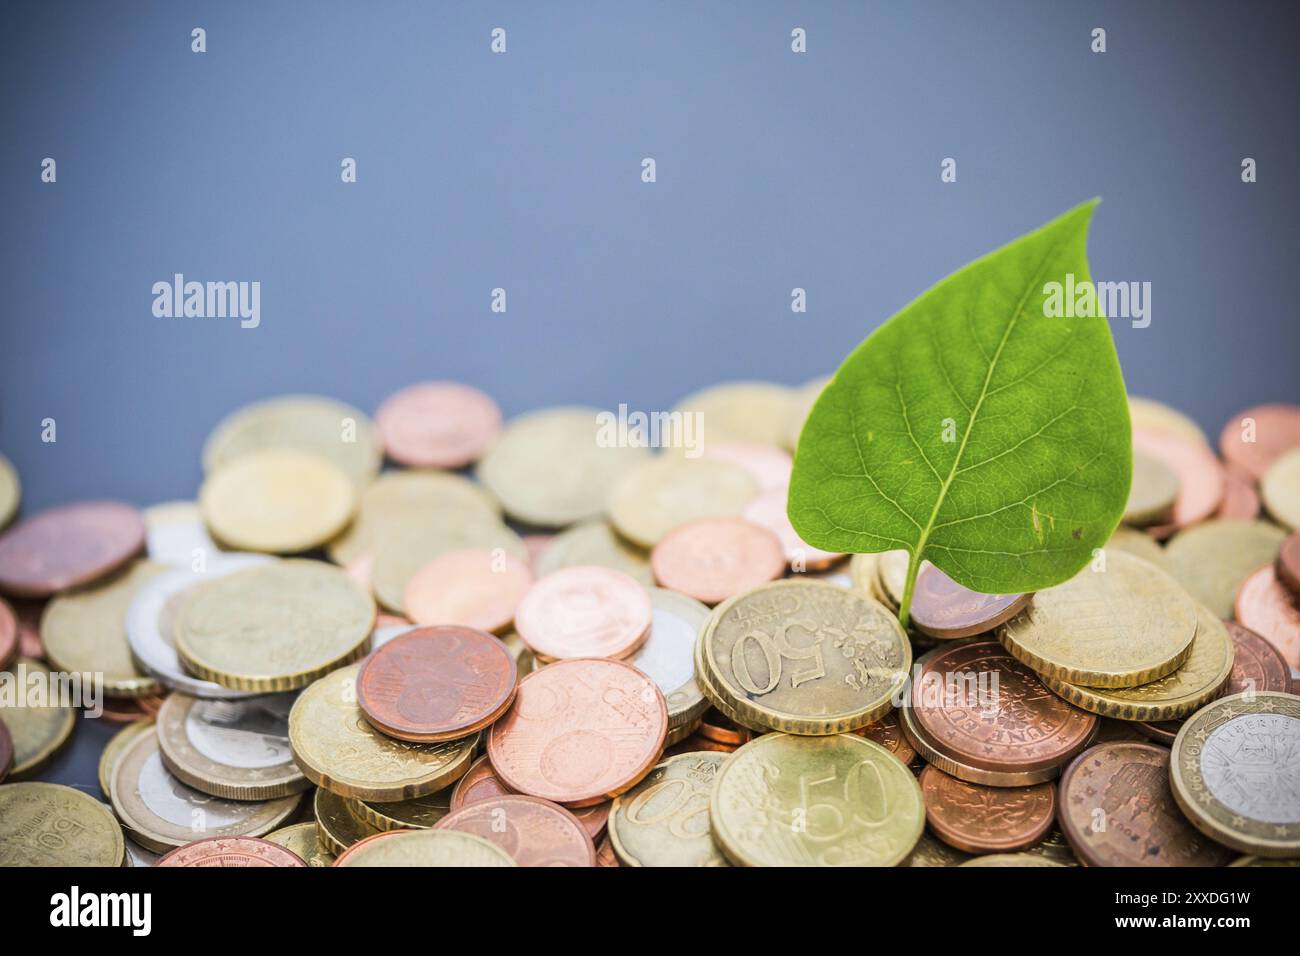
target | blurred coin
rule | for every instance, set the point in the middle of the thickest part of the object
(420, 813)
(10, 491)
(1288, 563)
(438, 424)
(1269, 609)
(668, 656)
(126, 710)
(595, 542)
(536, 545)
(664, 819)
(1011, 859)
(38, 719)
(756, 412)
(768, 466)
(1253, 439)
(303, 841)
(800, 405)
(1200, 476)
(425, 848)
(1240, 497)
(943, 608)
(1280, 490)
(9, 643)
(114, 749)
(1150, 415)
(67, 546)
(176, 535)
(1152, 493)
(474, 589)
(663, 493)
(231, 851)
(521, 652)
(533, 832)
(1260, 861)
(47, 824)
(584, 612)
(1211, 559)
(605, 854)
(768, 509)
(337, 827)
(979, 819)
(6, 751)
(1139, 545)
(888, 732)
(932, 852)
(29, 628)
(712, 559)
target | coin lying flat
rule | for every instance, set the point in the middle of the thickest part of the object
(474, 588)
(979, 819)
(1240, 496)
(712, 559)
(595, 543)
(768, 465)
(1151, 415)
(337, 827)
(782, 800)
(932, 852)
(1234, 768)
(420, 813)
(481, 783)
(232, 852)
(425, 848)
(68, 546)
(666, 492)
(888, 732)
(1138, 544)
(1200, 476)
(533, 832)
(1211, 559)
(1127, 625)
(769, 510)
(10, 492)
(114, 749)
(39, 726)
(742, 412)
(668, 655)
(1256, 437)
(438, 424)
(1152, 493)
(1269, 609)
(1288, 563)
(9, 640)
(175, 534)
(302, 841)
(584, 612)
(1011, 859)
(47, 824)
(943, 608)
(664, 819)
(274, 627)
(1279, 489)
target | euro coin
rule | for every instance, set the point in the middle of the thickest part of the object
(712, 559)
(533, 832)
(68, 546)
(1211, 559)
(10, 492)
(425, 848)
(664, 819)
(769, 511)
(1268, 608)
(1138, 544)
(666, 492)
(241, 852)
(337, 826)
(1153, 491)
(1280, 490)
(438, 424)
(175, 534)
(757, 412)
(420, 813)
(40, 724)
(1201, 479)
(943, 608)
(1146, 413)
(474, 588)
(584, 612)
(47, 824)
(595, 543)
(980, 819)
(113, 750)
(668, 655)
(303, 841)
(768, 465)
(1255, 438)
(1010, 859)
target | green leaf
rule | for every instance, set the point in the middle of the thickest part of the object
(975, 431)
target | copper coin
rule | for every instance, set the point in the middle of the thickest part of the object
(473, 588)
(943, 608)
(713, 559)
(1288, 563)
(1116, 809)
(537, 545)
(534, 832)
(980, 819)
(1271, 610)
(1163, 732)
(605, 855)
(6, 751)
(436, 683)
(1240, 497)
(9, 639)
(718, 727)
(69, 545)
(438, 425)
(769, 466)
(481, 783)
(889, 734)
(580, 731)
(1275, 429)
(29, 628)
(231, 851)
(768, 510)
(584, 611)
(979, 706)
(1200, 476)
(123, 710)
(697, 742)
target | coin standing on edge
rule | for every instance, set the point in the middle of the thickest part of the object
(232, 852)
(48, 824)
(67, 546)
(664, 819)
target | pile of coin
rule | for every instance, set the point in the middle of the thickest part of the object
(525, 644)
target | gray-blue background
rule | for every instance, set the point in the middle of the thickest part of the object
(522, 170)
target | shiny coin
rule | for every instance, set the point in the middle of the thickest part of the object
(425, 848)
(595, 542)
(238, 749)
(9, 643)
(10, 491)
(801, 404)
(163, 813)
(802, 657)
(668, 656)
(231, 851)
(533, 832)
(1150, 415)
(418, 814)
(1117, 810)
(980, 819)
(114, 749)
(768, 510)
(782, 800)
(1280, 490)
(1288, 563)
(84, 631)
(1123, 626)
(1200, 476)
(1234, 771)
(1272, 611)
(580, 731)
(46, 824)
(38, 723)
(1152, 493)
(888, 732)
(278, 501)
(768, 466)
(663, 493)
(68, 546)
(756, 412)
(275, 626)
(176, 535)
(551, 468)
(303, 841)
(436, 683)
(1240, 497)
(337, 826)
(438, 425)
(338, 749)
(475, 588)
(1211, 559)
(664, 819)
(584, 612)
(1256, 437)
(712, 559)
(943, 608)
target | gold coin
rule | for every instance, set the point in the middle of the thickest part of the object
(551, 469)
(1011, 859)
(337, 827)
(664, 819)
(800, 407)
(1126, 625)
(279, 501)
(891, 577)
(782, 800)
(1233, 769)
(1261, 861)
(741, 412)
(38, 725)
(114, 749)
(1201, 679)
(1211, 559)
(1152, 493)
(338, 749)
(525, 660)
(427, 848)
(47, 824)
(320, 426)
(84, 631)
(11, 491)
(932, 852)
(1055, 847)
(662, 493)
(1156, 416)
(803, 657)
(1139, 544)
(862, 572)
(302, 839)
(418, 814)
(274, 627)
(162, 813)
(595, 543)
(1279, 489)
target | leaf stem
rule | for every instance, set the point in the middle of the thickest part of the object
(905, 607)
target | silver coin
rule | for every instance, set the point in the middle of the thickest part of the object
(668, 655)
(152, 613)
(139, 856)
(383, 635)
(1251, 765)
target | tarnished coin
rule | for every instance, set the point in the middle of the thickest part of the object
(595, 542)
(768, 510)
(337, 826)
(47, 824)
(1240, 496)
(114, 749)
(303, 841)
(339, 750)
(1253, 439)
(580, 732)
(980, 819)
(712, 559)
(801, 403)
(238, 749)
(68, 546)
(584, 612)
(329, 429)
(605, 855)
(1152, 493)
(420, 813)
(232, 852)
(1234, 771)
(1288, 563)
(9, 642)
(274, 627)
(474, 588)
(436, 683)
(888, 732)
(1211, 559)
(552, 468)
(1150, 415)
(1200, 476)
(175, 534)
(768, 465)
(1123, 626)
(668, 656)
(1280, 490)
(1117, 810)
(943, 608)
(278, 501)
(803, 657)
(39, 723)
(6, 751)
(425, 848)
(10, 492)
(932, 852)
(163, 813)
(438, 424)
(664, 819)
(84, 631)
(1272, 611)
(841, 800)
(756, 412)
(663, 493)
(533, 832)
